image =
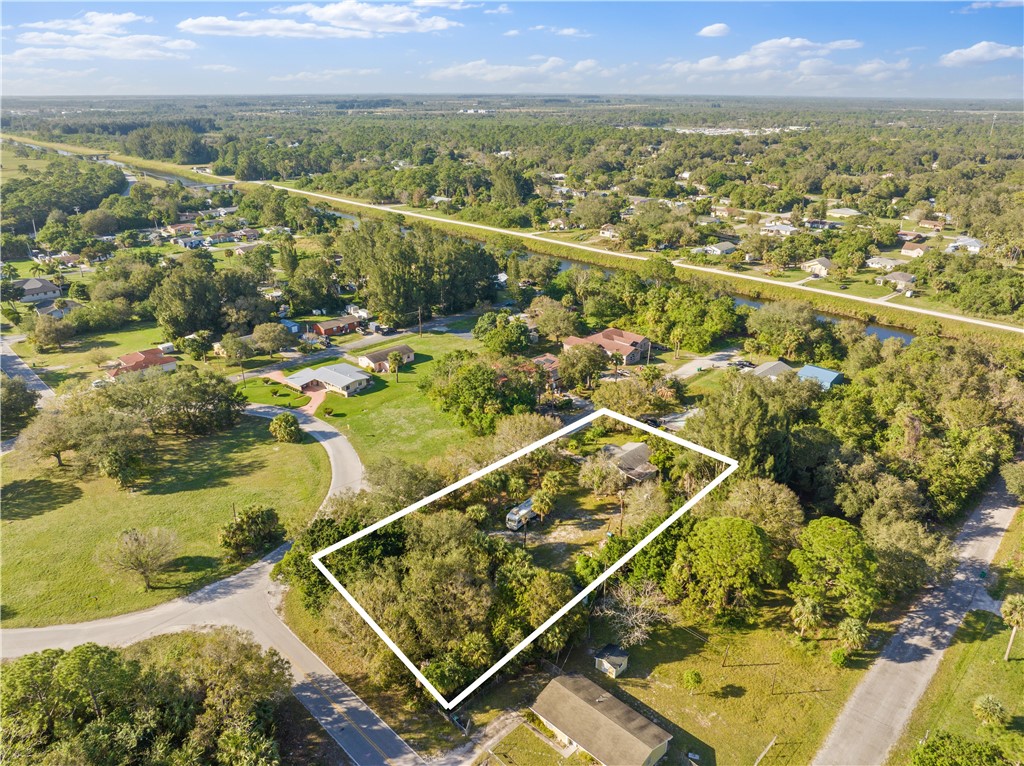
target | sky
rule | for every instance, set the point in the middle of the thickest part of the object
(870, 49)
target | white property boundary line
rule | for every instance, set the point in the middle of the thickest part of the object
(317, 558)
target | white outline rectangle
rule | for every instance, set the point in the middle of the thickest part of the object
(731, 464)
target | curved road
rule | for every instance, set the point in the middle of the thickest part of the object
(635, 257)
(249, 600)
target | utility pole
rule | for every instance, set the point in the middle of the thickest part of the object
(419, 316)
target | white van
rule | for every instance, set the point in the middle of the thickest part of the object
(518, 516)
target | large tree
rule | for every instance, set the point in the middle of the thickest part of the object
(835, 567)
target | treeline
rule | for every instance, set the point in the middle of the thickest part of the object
(176, 142)
(213, 697)
(64, 185)
(975, 284)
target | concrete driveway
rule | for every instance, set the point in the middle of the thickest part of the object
(716, 359)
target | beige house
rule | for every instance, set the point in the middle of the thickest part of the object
(581, 713)
(377, 361)
(819, 267)
(612, 660)
(340, 378)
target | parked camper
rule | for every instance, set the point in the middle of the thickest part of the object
(518, 516)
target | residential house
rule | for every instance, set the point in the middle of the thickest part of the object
(189, 243)
(244, 247)
(970, 244)
(581, 713)
(557, 223)
(338, 326)
(824, 377)
(720, 248)
(51, 308)
(608, 231)
(881, 262)
(179, 229)
(612, 660)
(340, 378)
(377, 361)
(356, 311)
(908, 236)
(437, 199)
(819, 224)
(778, 230)
(246, 235)
(633, 459)
(500, 280)
(148, 359)
(634, 348)
(843, 212)
(771, 370)
(933, 225)
(899, 280)
(36, 290)
(914, 249)
(549, 364)
(819, 267)
(218, 239)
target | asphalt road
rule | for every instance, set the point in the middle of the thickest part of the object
(12, 365)
(250, 600)
(877, 712)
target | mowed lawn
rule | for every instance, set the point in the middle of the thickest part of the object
(57, 530)
(397, 419)
(523, 746)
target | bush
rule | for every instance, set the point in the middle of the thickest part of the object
(254, 530)
(285, 428)
(839, 657)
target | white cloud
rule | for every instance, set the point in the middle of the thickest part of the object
(549, 71)
(341, 20)
(980, 6)
(94, 36)
(511, 33)
(981, 53)
(225, 68)
(767, 55)
(503, 8)
(561, 31)
(323, 75)
(715, 30)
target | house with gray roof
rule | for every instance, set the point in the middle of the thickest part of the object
(581, 713)
(377, 361)
(340, 378)
(633, 459)
(771, 370)
(898, 280)
(36, 290)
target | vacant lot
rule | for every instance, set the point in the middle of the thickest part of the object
(57, 530)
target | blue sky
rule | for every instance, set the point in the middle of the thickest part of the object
(915, 49)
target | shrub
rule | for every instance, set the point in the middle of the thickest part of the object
(839, 657)
(692, 679)
(990, 712)
(255, 529)
(285, 428)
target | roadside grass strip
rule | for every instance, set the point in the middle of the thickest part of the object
(730, 466)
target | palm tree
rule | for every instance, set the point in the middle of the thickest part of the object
(543, 503)
(617, 359)
(806, 613)
(1013, 614)
(394, 362)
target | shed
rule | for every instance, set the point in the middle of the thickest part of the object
(824, 377)
(291, 326)
(612, 660)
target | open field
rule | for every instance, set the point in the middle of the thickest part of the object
(266, 391)
(57, 529)
(10, 163)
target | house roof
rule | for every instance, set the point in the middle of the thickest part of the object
(915, 246)
(770, 369)
(827, 378)
(141, 360)
(900, 276)
(633, 459)
(841, 211)
(723, 247)
(36, 286)
(881, 262)
(50, 307)
(376, 357)
(344, 321)
(613, 654)
(611, 340)
(548, 361)
(600, 723)
(825, 262)
(338, 375)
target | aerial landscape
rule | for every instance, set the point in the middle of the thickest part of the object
(512, 384)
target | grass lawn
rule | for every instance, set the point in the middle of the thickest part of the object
(398, 417)
(57, 529)
(10, 163)
(266, 391)
(855, 287)
(704, 383)
(524, 747)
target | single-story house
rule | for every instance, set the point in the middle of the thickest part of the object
(881, 262)
(57, 312)
(908, 236)
(218, 239)
(612, 660)
(778, 230)
(843, 212)
(970, 244)
(821, 224)
(341, 378)
(819, 267)
(36, 290)
(377, 361)
(245, 247)
(900, 280)
(549, 363)
(147, 359)
(581, 713)
(178, 229)
(933, 225)
(246, 235)
(357, 311)
(914, 249)
(291, 326)
(720, 248)
(825, 378)
(633, 459)
(608, 231)
(189, 243)
(634, 348)
(771, 370)
(337, 326)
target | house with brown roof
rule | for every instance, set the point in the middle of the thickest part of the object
(933, 225)
(581, 713)
(377, 361)
(246, 235)
(147, 359)
(609, 231)
(633, 347)
(549, 364)
(339, 326)
(914, 249)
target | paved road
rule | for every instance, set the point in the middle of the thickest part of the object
(250, 601)
(12, 365)
(880, 707)
(633, 256)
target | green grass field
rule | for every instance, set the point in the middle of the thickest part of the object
(57, 529)
(397, 418)
(524, 747)
(266, 391)
(10, 163)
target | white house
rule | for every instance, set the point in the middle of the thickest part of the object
(720, 248)
(970, 244)
(778, 230)
(881, 262)
(914, 249)
(608, 231)
(36, 290)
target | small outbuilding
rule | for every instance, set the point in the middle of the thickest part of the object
(612, 660)
(824, 377)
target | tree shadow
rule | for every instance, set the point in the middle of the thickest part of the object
(25, 498)
(729, 691)
(976, 626)
(209, 461)
(192, 564)
(7, 612)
